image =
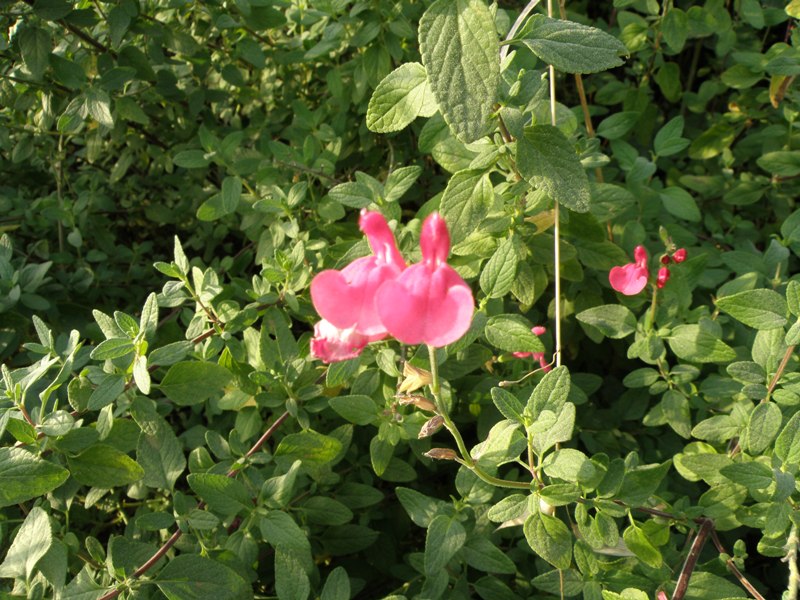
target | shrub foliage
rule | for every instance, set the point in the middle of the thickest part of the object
(622, 173)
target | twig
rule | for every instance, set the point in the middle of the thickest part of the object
(691, 559)
(178, 533)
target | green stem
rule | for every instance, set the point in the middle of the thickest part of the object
(791, 558)
(466, 459)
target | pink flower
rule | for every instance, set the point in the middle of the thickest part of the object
(331, 344)
(537, 330)
(346, 298)
(429, 303)
(632, 278)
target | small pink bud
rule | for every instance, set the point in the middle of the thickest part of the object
(663, 277)
(665, 260)
(539, 330)
(680, 255)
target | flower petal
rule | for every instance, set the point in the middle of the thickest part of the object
(426, 305)
(331, 344)
(628, 279)
(381, 238)
(434, 241)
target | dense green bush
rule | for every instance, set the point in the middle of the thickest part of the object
(181, 441)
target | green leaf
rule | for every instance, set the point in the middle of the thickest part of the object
(618, 124)
(193, 577)
(550, 393)
(761, 309)
(402, 96)
(675, 29)
(99, 106)
(499, 273)
(326, 511)
(508, 404)
(572, 47)
(752, 475)
(222, 494)
(191, 382)
(692, 343)
(337, 586)
(680, 203)
(34, 46)
(23, 476)
(612, 320)
(793, 297)
(280, 531)
(400, 181)
(113, 348)
(763, 426)
(548, 159)
(420, 508)
(465, 203)
(191, 159)
(445, 537)
(461, 53)
(104, 466)
(669, 140)
(108, 390)
(353, 194)
(480, 553)
(637, 542)
(512, 333)
(31, 543)
(291, 580)
(787, 446)
(159, 453)
(550, 538)
(314, 449)
(560, 431)
(360, 410)
(231, 193)
(783, 163)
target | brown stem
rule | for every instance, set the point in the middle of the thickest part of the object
(734, 569)
(177, 534)
(779, 373)
(691, 559)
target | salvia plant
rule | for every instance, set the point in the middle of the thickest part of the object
(450, 299)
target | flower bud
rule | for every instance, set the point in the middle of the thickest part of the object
(665, 260)
(430, 427)
(441, 454)
(679, 255)
(663, 277)
(415, 378)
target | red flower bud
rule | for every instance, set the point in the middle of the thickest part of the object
(663, 276)
(680, 255)
(665, 260)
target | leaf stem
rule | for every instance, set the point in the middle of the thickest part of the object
(466, 459)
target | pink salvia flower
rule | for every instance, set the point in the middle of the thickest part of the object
(630, 279)
(346, 298)
(539, 356)
(429, 303)
(331, 344)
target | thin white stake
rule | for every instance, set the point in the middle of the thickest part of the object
(557, 230)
